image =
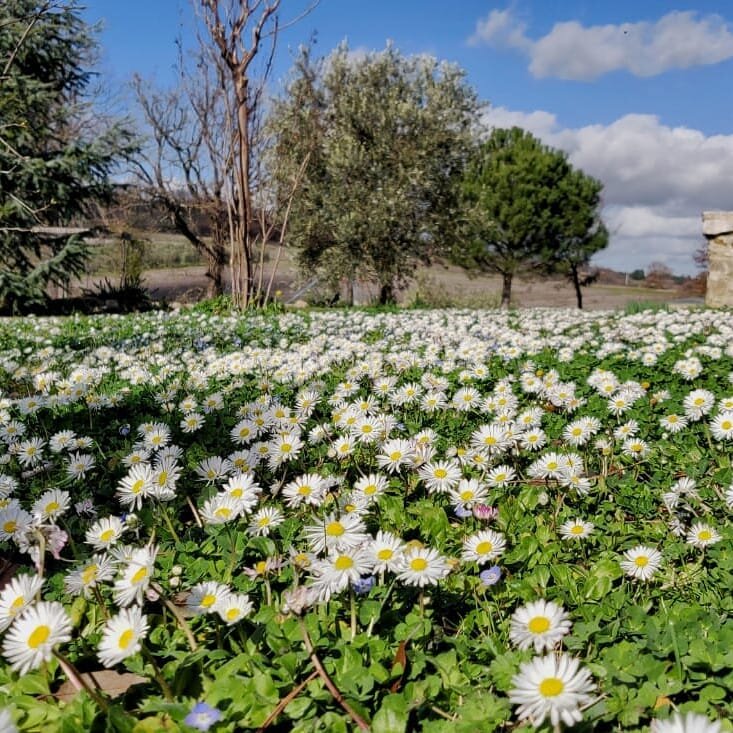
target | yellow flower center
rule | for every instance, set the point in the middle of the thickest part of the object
(107, 535)
(52, 506)
(371, 489)
(232, 614)
(385, 554)
(704, 535)
(418, 564)
(286, 448)
(467, 495)
(551, 687)
(641, 561)
(89, 574)
(483, 548)
(39, 636)
(223, 512)
(137, 487)
(440, 473)
(125, 639)
(16, 605)
(538, 624)
(490, 440)
(576, 529)
(236, 493)
(304, 490)
(261, 567)
(395, 455)
(208, 600)
(10, 526)
(139, 576)
(343, 562)
(335, 529)
(263, 521)
(726, 425)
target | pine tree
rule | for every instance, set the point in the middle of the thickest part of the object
(56, 155)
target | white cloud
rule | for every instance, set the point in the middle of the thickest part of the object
(570, 50)
(657, 181)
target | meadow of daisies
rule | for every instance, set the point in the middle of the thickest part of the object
(342, 520)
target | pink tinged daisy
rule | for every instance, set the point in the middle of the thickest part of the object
(51, 505)
(134, 487)
(234, 607)
(423, 566)
(264, 521)
(554, 687)
(136, 577)
(483, 547)
(641, 562)
(702, 535)
(541, 624)
(32, 637)
(16, 596)
(122, 636)
(205, 597)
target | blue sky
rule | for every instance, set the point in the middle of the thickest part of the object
(637, 93)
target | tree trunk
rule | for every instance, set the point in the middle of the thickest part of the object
(386, 294)
(576, 283)
(215, 275)
(244, 193)
(506, 289)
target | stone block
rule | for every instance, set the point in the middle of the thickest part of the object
(720, 277)
(715, 223)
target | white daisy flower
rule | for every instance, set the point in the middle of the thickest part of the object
(97, 569)
(136, 577)
(541, 624)
(14, 521)
(134, 487)
(122, 636)
(205, 597)
(576, 529)
(220, 509)
(16, 596)
(51, 505)
(422, 566)
(371, 486)
(104, 532)
(386, 550)
(554, 687)
(686, 723)
(483, 547)
(234, 607)
(32, 637)
(264, 520)
(701, 535)
(336, 533)
(641, 562)
(6, 721)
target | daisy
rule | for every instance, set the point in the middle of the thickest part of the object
(576, 529)
(16, 596)
(32, 637)
(468, 492)
(722, 426)
(697, 403)
(244, 432)
(440, 476)
(6, 721)
(343, 446)
(213, 469)
(122, 636)
(30, 452)
(234, 607)
(423, 566)
(104, 533)
(641, 562)
(686, 723)
(285, 447)
(386, 550)
(95, 570)
(51, 505)
(191, 422)
(136, 577)
(243, 488)
(554, 687)
(14, 521)
(533, 439)
(336, 533)
(134, 487)
(205, 597)
(310, 488)
(79, 464)
(541, 624)
(395, 454)
(483, 547)
(61, 441)
(701, 535)
(220, 509)
(264, 520)
(340, 570)
(500, 476)
(371, 486)
(673, 423)
(166, 473)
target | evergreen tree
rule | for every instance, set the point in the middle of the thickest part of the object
(56, 154)
(526, 208)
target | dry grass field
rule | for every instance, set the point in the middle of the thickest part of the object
(173, 272)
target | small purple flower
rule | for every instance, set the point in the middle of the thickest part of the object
(462, 512)
(490, 576)
(362, 586)
(485, 512)
(202, 717)
(124, 430)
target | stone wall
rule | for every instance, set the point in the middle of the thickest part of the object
(717, 226)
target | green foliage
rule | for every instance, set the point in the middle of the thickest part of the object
(54, 161)
(372, 147)
(526, 208)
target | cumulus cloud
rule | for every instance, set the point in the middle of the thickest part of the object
(678, 40)
(657, 180)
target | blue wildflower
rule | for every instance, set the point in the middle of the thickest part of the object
(490, 576)
(202, 717)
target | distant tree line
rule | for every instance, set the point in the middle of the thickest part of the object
(368, 165)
